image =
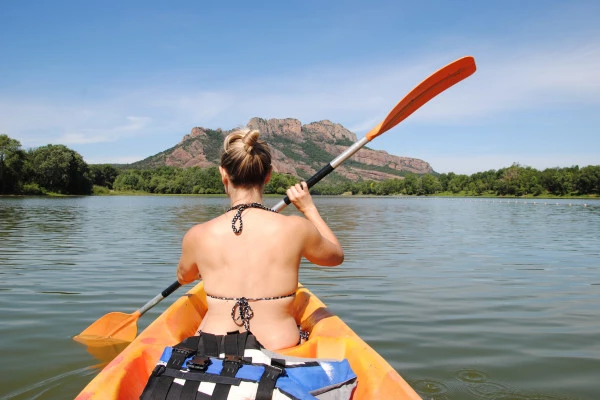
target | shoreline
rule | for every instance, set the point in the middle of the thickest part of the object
(270, 195)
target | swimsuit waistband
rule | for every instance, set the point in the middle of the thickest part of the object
(251, 299)
(245, 312)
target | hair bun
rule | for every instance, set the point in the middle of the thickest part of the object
(246, 158)
(250, 139)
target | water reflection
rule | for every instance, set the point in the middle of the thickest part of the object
(467, 299)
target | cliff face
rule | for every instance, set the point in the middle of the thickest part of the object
(297, 149)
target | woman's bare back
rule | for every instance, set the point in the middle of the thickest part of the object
(262, 262)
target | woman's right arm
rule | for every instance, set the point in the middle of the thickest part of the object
(321, 245)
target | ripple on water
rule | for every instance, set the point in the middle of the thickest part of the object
(477, 385)
(39, 389)
(471, 376)
(534, 396)
(58, 292)
(431, 389)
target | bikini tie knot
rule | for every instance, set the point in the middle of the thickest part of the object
(245, 312)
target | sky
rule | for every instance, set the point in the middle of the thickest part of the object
(119, 81)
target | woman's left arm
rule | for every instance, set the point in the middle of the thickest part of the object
(187, 269)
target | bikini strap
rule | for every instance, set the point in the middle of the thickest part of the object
(238, 215)
(244, 310)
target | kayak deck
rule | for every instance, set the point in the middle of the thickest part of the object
(126, 375)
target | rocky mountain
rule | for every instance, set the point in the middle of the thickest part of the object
(297, 149)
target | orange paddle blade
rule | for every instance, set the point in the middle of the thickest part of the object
(425, 91)
(114, 326)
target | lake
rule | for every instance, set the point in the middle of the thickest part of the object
(466, 298)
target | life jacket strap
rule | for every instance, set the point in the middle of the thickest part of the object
(231, 365)
(267, 382)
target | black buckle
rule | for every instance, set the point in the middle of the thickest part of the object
(159, 370)
(186, 351)
(233, 358)
(274, 371)
(198, 363)
(231, 365)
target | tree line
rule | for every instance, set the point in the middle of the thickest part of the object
(58, 169)
(51, 168)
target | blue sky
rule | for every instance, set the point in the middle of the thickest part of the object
(120, 81)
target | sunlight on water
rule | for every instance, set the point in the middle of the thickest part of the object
(466, 298)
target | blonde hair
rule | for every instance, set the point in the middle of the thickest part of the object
(246, 158)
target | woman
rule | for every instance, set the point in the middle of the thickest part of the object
(249, 257)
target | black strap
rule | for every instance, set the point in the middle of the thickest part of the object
(230, 344)
(190, 388)
(175, 392)
(158, 386)
(201, 377)
(208, 345)
(161, 386)
(267, 382)
(231, 365)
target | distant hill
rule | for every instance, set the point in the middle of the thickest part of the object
(297, 149)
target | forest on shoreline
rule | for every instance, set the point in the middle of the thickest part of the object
(56, 169)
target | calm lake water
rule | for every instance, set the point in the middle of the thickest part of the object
(466, 298)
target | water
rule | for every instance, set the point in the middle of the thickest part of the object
(467, 299)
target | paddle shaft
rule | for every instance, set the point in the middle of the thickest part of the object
(159, 297)
(326, 170)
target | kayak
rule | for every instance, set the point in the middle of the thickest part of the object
(330, 338)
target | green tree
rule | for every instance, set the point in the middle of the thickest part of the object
(458, 183)
(129, 180)
(279, 183)
(411, 184)
(509, 184)
(589, 180)
(103, 175)
(445, 179)
(390, 186)
(530, 181)
(59, 169)
(481, 182)
(430, 184)
(560, 181)
(12, 160)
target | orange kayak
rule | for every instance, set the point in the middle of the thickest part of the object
(126, 375)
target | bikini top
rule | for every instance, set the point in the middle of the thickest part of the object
(242, 305)
(245, 312)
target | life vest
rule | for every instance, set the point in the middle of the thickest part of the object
(237, 366)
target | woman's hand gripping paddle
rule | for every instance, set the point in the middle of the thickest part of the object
(121, 327)
(425, 91)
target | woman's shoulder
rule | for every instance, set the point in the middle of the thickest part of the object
(295, 222)
(204, 227)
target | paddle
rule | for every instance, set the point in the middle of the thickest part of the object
(120, 327)
(123, 327)
(432, 86)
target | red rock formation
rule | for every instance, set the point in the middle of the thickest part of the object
(288, 138)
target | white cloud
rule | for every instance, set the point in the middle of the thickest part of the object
(86, 135)
(111, 159)
(507, 80)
